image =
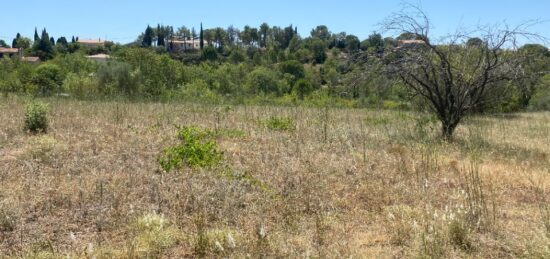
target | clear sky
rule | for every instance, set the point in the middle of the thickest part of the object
(122, 20)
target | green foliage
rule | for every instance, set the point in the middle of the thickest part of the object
(36, 117)
(263, 80)
(303, 88)
(209, 53)
(237, 56)
(280, 123)
(196, 148)
(48, 79)
(294, 68)
(118, 77)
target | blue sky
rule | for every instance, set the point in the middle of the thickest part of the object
(123, 20)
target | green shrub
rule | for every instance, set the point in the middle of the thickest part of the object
(303, 88)
(36, 117)
(280, 123)
(263, 80)
(196, 148)
(48, 78)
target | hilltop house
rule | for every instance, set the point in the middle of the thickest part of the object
(12, 52)
(92, 43)
(410, 43)
(9, 52)
(176, 44)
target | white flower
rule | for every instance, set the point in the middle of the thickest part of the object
(90, 248)
(230, 241)
(261, 232)
(218, 246)
(72, 236)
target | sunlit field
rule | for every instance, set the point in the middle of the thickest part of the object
(319, 183)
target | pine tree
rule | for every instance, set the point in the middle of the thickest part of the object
(52, 40)
(201, 38)
(73, 40)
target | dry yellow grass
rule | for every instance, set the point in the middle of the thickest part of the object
(345, 183)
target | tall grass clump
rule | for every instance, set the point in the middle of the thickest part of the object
(280, 123)
(36, 117)
(196, 148)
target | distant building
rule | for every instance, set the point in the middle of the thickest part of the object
(176, 44)
(31, 59)
(410, 43)
(99, 57)
(92, 43)
(9, 52)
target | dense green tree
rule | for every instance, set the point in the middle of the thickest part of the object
(293, 68)
(321, 32)
(148, 37)
(48, 78)
(209, 53)
(62, 41)
(536, 64)
(264, 33)
(374, 43)
(318, 48)
(237, 55)
(44, 47)
(352, 44)
(263, 80)
(3, 44)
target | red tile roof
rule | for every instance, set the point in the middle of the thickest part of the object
(9, 50)
(91, 41)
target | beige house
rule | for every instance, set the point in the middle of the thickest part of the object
(185, 44)
(92, 43)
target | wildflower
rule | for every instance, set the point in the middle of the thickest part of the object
(218, 246)
(230, 241)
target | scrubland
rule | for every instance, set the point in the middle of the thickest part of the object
(293, 182)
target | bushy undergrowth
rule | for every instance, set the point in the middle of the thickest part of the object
(196, 148)
(280, 123)
(36, 117)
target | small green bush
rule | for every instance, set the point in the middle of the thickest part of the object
(36, 117)
(196, 148)
(280, 124)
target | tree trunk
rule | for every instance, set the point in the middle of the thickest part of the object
(447, 129)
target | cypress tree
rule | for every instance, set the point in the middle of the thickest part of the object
(201, 38)
(73, 40)
(52, 40)
(147, 37)
(36, 38)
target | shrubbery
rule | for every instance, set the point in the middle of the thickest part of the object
(196, 148)
(36, 117)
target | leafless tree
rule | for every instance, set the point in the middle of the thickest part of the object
(457, 73)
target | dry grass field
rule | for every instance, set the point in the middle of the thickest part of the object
(339, 183)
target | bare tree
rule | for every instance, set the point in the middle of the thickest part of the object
(454, 74)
